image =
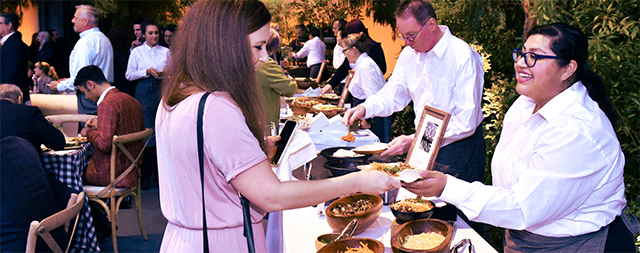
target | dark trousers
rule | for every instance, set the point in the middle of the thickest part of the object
(314, 70)
(149, 164)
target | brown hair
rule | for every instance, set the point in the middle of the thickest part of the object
(47, 69)
(357, 41)
(211, 52)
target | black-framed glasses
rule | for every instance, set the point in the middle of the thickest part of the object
(530, 58)
(411, 38)
(344, 51)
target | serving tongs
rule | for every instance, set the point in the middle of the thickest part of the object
(348, 230)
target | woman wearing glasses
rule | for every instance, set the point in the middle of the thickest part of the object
(558, 168)
(367, 80)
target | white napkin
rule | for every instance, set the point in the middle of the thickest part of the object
(310, 92)
(319, 122)
(300, 151)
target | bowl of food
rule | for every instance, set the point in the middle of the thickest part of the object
(305, 83)
(343, 153)
(338, 168)
(325, 239)
(422, 235)
(364, 207)
(354, 244)
(412, 209)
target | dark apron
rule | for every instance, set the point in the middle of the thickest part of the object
(148, 94)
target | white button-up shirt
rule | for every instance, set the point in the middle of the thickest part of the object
(6, 37)
(93, 48)
(367, 78)
(556, 172)
(144, 57)
(448, 78)
(314, 49)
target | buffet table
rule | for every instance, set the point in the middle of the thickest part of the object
(302, 226)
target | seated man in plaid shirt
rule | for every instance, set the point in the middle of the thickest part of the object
(118, 114)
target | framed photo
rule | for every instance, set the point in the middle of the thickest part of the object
(428, 138)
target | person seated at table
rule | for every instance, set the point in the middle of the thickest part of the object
(367, 80)
(26, 121)
(558, 167)
(374, 51)
(273, 82)
(118, 114)
(233, 134)
(43, 75)
(26, 196)
(315, 50)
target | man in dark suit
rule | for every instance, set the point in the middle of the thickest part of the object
(26, 121)
(14, 54)
(118, 114)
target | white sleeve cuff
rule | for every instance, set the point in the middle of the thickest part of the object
(455, 191)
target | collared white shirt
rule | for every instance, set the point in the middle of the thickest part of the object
(6, 37)
(556, 172)
(314, 49)
(104, 93)
(448, 78)
(367, 78)
(338, 56)
(93, 48)
(144, 57)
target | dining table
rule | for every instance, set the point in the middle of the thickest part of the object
(68, 166)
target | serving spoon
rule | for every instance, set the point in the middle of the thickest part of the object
(409, 175)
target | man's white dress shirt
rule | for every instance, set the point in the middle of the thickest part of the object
(367, 78)
(448, 78)
(93, 48)
(314, 49)
(144, 57)
(556, 172)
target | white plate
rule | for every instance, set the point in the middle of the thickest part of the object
(371, 148)
(360, 133)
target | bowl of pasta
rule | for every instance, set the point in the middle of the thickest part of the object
(422, 235)
(354, 245)
(412, 209)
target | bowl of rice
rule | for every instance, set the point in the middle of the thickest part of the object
(343, 153)
(422, 235)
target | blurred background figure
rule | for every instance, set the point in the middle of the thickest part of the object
(14, 55)
(119, 37)
(315, 51)
(168, 36)
(43, 75)
(45, 52)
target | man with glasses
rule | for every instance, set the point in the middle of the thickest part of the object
(13, 54)
(442, 71)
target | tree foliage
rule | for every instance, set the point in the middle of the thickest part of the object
(123, 13)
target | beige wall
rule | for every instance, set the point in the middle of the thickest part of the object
(384, 35)
(29, 23)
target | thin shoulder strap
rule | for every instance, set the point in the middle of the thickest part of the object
(203, 100)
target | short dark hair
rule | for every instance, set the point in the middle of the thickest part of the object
(138, 21)
(171, 28)
(315, 32)
(89, 73)
(11, 18)
(421, 10)
(143, 26)
(341, 23)
(301, 26)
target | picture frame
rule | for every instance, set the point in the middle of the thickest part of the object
(345, 89)
(428, 138)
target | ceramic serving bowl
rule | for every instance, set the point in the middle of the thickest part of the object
(419, 226)
(353, 242)
(338, 222)
(325, 239)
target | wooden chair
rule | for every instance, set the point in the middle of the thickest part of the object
(62, 218)
(116, 195)
(345, 89)
(69, 130)
(324, 63)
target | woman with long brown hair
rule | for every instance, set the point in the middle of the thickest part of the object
(217, 49)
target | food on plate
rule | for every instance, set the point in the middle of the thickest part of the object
(345, 153)
(303, 102)
(326, 107)
(371, 148)
(72, 142)
(412, 205)
(348, 138)
(330, 96)
(363, 249)
(360, 206)
(392, 169)
(423, 241)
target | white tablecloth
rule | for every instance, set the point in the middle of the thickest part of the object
(302, 226)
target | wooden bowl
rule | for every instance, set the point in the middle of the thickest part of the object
(353, 242)
(365, 219)
(409, 216)
(303, 85)
(299, 110)
(322, 240)
(422, 226)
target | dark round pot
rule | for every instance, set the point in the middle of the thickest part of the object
(328, 154)
(342, 167)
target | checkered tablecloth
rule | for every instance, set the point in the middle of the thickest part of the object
(68, 166)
